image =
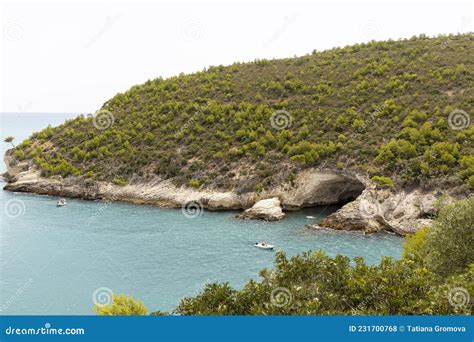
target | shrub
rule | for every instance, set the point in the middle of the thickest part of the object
(450, 240)
(383, 182)
(119, 181)
(121, 305)
(194, 183)
(414, 247)
(315, 284)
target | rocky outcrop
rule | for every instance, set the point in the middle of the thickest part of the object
(314, 187)
(402, 212)
(267, 209)
(428, 205)
(368, 209)
(311, 187)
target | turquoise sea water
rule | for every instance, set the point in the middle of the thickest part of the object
(55, 260)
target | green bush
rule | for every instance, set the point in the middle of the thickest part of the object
(415, 248)
(435, 262)
(382, 181)
(450, 240)
(194, 183)
(121, 306)
(315, 284)
(119, 181)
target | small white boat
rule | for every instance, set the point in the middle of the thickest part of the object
(263, 245)
(310, 217)
(61, 202)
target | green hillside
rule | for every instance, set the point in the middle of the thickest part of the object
(399, 109)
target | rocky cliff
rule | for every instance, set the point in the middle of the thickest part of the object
(366, 208)
(310, 188)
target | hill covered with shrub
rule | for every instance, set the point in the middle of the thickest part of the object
(395, 109)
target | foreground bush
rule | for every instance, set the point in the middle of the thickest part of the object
(449, 243)
(434, 276)
(121, 306)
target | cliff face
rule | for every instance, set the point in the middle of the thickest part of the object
(368, 209)
(402, 212)
(310, 188)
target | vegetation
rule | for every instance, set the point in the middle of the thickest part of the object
(436, 263)
(121, 306)
(449, 243)
(9, 139)
(435, 276)
(379, 108)
(382, 181)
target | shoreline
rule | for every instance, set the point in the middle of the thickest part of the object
(364, 207)
(314, 188)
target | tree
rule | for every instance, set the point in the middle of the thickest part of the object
(122, 305)
(9, 139)
(450, 240)
(312, 283)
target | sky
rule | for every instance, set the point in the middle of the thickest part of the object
(59, 57)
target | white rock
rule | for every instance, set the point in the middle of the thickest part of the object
(268, 209)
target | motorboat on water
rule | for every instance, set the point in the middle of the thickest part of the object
(263, 245)
(310, 217)
(61, 202)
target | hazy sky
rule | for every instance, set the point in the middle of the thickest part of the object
(66, 57)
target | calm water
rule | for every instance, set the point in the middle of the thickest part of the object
(54, 259)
